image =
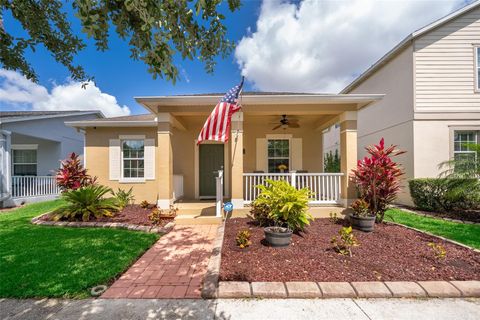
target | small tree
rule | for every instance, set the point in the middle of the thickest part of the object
(463, 166)
(332, 162)
(378, 178)
(72, 175)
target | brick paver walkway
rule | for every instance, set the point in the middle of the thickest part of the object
(173, 268)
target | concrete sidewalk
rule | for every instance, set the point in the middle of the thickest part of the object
(250, 309)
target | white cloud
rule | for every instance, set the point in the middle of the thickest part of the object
(321, 46)
(20, 93)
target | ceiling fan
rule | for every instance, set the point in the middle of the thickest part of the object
(286, 123)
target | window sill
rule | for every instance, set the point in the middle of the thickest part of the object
(128, 180)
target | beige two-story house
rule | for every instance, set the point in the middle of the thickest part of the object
(431, 107)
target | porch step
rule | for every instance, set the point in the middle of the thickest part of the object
(197, 219)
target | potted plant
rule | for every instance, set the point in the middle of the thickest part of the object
(283, 211)
(362, 217)
(377, 178)
(282, 167)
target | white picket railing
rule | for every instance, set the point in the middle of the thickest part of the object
(32, 186)
(324, 186)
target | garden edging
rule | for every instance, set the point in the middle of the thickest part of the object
(422, 214)
(114, 225)
(210, 282)
(434, 235)
(373, 289)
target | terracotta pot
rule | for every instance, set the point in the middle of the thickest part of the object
(277, 238)
(365, 224)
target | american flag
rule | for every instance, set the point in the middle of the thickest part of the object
(217, 126)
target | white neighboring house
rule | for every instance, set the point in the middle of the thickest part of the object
(431, 82)
(31, 145)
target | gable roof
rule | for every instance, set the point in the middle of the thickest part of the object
(14, 116)
(406, 42)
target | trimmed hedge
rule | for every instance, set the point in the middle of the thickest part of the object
(442, 194)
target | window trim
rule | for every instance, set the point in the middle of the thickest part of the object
(124, 179)
(279, 137)
(476, 68)
(24, 147)
(454, 129)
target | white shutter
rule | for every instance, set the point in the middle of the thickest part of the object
(114, 159)
(149, 159)
(296, 154)
(262, 161)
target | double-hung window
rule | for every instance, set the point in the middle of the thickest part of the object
(24, 162)
(463, 153)
(133, 159)
(278, 155)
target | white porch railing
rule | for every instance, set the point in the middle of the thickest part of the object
(324, 186)
(32, 186)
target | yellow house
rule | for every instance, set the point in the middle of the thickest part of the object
(158, 156)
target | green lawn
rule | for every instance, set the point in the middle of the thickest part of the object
(468, 234)
(43, 261)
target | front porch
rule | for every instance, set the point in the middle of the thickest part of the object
(261, 147)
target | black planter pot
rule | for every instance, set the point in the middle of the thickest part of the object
(278, 237)
(362, 223)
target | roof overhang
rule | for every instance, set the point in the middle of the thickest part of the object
(261, 103)
(106, 123)
(63, 115)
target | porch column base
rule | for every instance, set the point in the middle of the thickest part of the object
(164, 203)
(237, 203)
(346, 202)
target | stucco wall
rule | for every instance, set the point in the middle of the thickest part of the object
(97, 160)
(434, 144)
(392, 117)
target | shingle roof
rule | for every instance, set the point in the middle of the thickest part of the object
(135, 117)
(9, 114)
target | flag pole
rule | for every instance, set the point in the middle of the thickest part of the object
(237, 130)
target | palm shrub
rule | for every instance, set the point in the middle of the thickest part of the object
(123, 197)
(284, 205)
(85, 203)
(72, 175)
(377, 178)
(463, 166)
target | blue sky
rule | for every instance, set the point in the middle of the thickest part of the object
(302, 46)
(116, 74)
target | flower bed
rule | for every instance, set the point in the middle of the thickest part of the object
(390, 253)
(128, 218)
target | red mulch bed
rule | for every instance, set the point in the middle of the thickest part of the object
(132, 214)
(390, 253)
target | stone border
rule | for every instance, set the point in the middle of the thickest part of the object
(210, 282)
(420, 213)
(114, 225)
(374, 289)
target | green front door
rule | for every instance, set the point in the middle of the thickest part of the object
(211, 158)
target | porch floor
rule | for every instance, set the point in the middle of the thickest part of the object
(192, 211)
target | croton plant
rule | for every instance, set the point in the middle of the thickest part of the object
(377, 177)
(72, 175)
